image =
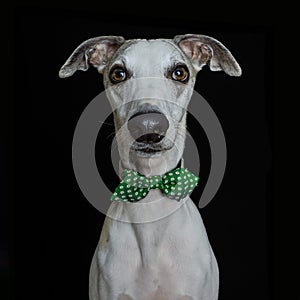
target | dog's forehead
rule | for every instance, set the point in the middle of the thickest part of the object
(157, 53)
(149, 45)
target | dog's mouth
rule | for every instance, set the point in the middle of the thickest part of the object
(144, 148)
(148, 148)
(148, 152)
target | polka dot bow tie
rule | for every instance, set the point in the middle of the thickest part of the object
(176, 184)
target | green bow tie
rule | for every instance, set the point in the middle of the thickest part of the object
(176, 184)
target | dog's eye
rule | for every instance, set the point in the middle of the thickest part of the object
(117, 75)
(180, 73)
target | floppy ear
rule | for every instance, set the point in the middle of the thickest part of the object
(96, 52)
(204, 50)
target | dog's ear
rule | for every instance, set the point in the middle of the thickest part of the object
(204, 50)
(96, 52)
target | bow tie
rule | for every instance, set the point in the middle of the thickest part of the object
(176, 184)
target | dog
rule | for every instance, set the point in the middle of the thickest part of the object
(156, 248)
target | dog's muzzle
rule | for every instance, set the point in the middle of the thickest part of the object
(148, 128)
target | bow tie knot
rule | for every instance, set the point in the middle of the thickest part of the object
(176, 184)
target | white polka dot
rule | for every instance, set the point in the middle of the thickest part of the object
(128, 180)
(122, 197)
(130, 196)
(129, 191)
(191, 180)
(172, 188)
(172, 194)
(135, 179)
(179, 189)
(184, 177)
(166, 191)
(121, 187)
(179, 194)
(166, 181)
(177, 172)
(115, 194)
(144, 194)
(127, 185)
(170, 174)
(179, 183)
(156, 180)
(136, 193)
(122, 192)
(179, 178)
(172, 179)
(176, 198)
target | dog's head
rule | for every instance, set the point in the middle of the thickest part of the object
(149, 84)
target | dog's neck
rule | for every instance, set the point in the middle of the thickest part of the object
(158, 205)
(149, 167)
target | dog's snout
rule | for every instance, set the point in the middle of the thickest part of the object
(148, 128)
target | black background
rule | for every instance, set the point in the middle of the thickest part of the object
(53, 227)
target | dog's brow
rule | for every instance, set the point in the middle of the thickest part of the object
(119, 62)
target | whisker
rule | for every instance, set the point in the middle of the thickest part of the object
(186, 132)
(113, 133)
(110, 124)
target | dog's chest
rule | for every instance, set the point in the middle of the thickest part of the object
(165, 259)
(153, 251)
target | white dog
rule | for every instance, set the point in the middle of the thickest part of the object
(156, 248)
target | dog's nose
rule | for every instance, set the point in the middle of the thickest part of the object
(148, 128)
